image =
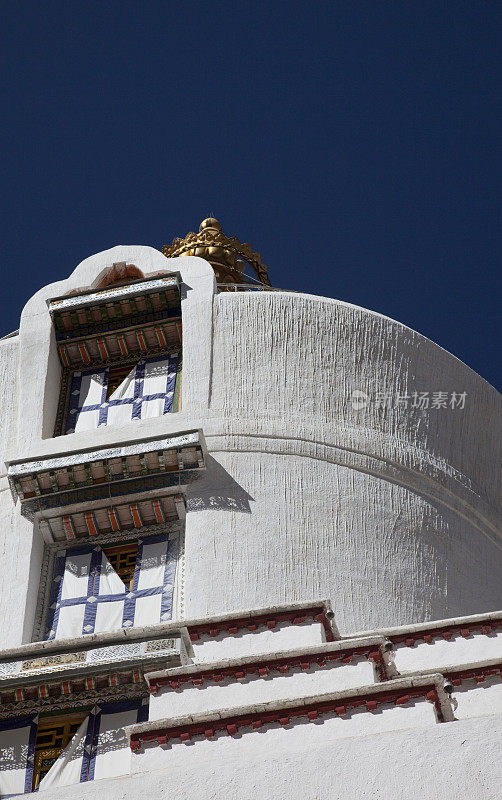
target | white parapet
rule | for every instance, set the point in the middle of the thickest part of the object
(331, 667)
(303, 723)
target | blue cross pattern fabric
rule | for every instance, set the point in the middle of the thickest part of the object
(99, 749)
(87, 595)
(17, 750)
(147, 391)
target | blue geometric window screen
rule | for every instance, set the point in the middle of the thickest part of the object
(88, 596)
(146, 392)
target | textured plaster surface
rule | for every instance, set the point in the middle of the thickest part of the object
(283, 637)
(228, 694)
(302, 735)
(437, 762)
(393, 513)
(440, 654)
(304, 527)
(477, 699)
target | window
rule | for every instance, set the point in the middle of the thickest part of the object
(116, 395)
(59, 750)
(98, 589)
(127, 330)
(53, 735)
(123, 561)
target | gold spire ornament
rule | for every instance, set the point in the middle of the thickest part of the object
(226, 254)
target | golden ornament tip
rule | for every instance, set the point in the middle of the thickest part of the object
(209, 222)
(227, 255)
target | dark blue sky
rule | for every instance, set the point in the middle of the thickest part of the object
(356, 145)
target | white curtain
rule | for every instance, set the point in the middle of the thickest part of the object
(67, 768)
(17, 740)
(147, 391)
(107, 754)
(83, 575)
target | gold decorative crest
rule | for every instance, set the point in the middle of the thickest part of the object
(226, 254)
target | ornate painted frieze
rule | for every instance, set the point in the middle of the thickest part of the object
(85, 674)
(114, 519)
(111, 472)
(101, 327)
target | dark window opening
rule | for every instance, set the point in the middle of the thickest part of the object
(115, 377)
(123, 561)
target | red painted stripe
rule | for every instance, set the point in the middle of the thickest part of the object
(411, 638)
(90, 521)
(84, 354)
(69, 527)
(161, 337)
(114, 519)
(141, 341)
(232, 626)
(123, 345)
(262, 668)
(136, 516)
(158, 511)
(478, 674)
(284, 716)
(103, 350)
(63, 352)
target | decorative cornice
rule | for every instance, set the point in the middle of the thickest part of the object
(18, 468)
(233, 624)
(85, 673)
(111, 294)
(398, 692)
(82, 476)
(345, 652)
(427, 632)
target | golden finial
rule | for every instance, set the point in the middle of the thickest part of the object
(226, 254)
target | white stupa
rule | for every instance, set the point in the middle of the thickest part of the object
(251, 542)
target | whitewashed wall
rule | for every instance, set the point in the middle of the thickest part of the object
(452, 761)
(391, 513)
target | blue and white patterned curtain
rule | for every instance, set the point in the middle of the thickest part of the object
(147, 391)
(87, 595)
(17, 749)
(98, 749)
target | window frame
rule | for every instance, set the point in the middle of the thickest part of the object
(68, 373)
